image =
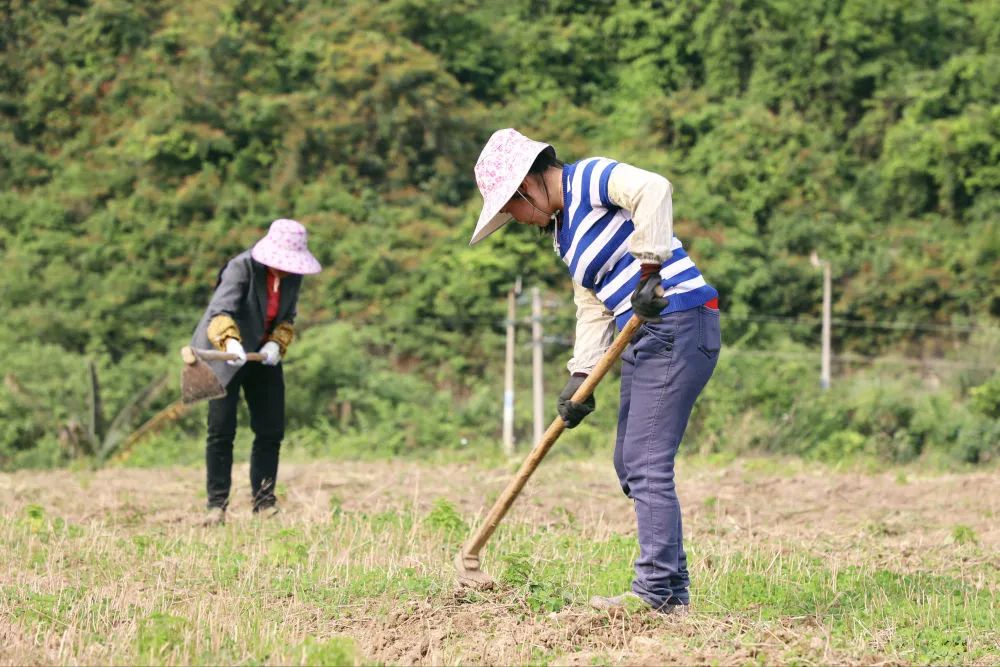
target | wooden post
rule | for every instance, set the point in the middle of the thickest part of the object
(537, 363)
(824, 378)
(824, 372)
(508, 376)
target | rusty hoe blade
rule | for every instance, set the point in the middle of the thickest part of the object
(469, 574)
(198, 381)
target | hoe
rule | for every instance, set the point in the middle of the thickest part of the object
(198, 381)
(467, 560)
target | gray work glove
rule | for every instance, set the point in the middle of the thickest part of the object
(573, 413)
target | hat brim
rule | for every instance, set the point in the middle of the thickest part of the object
(489, 225)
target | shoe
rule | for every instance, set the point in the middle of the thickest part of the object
(632, 603)
(214, 516)
(268, 512)
(675, 609)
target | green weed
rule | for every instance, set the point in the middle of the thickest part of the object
(335, 652)
(543, 584)
(47, 610)
(227, 567)
(160, 634)
(445, 518)
(37, 522)
(288, 550)
(962, 534)
(392, 520)
(336, 505)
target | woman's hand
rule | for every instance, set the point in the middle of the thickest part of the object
(648, 300)
(573, 413)
(234, 346)
(271, 352)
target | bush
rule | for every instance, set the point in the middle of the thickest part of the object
(985, 399)
(142, 144)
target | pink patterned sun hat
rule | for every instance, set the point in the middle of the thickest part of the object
(502, 165)
(284, 248)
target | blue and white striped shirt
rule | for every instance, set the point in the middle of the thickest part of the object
(592, 238)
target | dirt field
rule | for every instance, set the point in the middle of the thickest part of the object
(789, 563)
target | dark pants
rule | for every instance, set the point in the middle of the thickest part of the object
(663, 371)
(264, 390)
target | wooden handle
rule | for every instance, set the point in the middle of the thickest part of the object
(218, 355)
(192, 354)
(555, 429)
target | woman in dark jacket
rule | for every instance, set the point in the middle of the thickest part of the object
(253, 307)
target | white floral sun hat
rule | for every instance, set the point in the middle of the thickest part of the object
(284, 248)
(501, 168)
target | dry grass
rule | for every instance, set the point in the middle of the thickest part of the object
(790, 564)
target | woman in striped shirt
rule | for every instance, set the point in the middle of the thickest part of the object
(612, 224)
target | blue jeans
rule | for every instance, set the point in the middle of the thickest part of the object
(664, 370)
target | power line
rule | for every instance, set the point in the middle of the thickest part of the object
(859, 359)
(499, 321)
(860, 324)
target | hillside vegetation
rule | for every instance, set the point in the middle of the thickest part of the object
(142, 144)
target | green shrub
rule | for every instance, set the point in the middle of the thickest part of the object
(445, 518)
(985, 399)
(121, 195)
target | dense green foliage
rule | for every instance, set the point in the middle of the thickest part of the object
(141, 144)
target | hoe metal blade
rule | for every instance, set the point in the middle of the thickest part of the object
(198, 381)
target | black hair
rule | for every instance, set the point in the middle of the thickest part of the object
(545, 160)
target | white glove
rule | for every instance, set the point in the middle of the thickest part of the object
(271, 352)
(233, 346)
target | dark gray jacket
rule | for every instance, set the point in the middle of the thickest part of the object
(242, 294)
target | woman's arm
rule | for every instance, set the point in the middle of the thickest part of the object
(283, 335)
(595, 326)
(229, 295)
(648, 197)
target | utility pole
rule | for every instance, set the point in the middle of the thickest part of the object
(824, 373)
(508, 379)
(537, 363)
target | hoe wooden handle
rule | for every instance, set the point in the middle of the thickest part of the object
(470, 552)
(192, 354)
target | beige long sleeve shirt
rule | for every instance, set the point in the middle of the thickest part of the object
(648, 198)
